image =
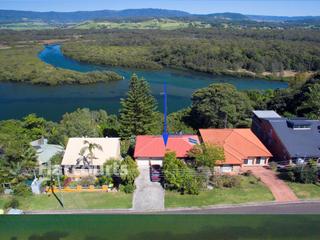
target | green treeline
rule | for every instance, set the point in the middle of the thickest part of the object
(248, 51)
(22, 65)
(221, 51)
(132, 56)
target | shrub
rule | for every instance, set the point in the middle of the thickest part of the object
(103, 180)
(67, 181)
(307, 173)
(226, 181)
(129, 188)
(193, 186)
(88, 180)
(247, 173)
(13, 203)
(73, 184)
(57, 158)
(128, 170)
(22, 189)
(273, 166)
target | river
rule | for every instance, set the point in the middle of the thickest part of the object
(51, 102)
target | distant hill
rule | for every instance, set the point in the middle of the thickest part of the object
(8, 16)
(261, 18)
(134, 15)
(226, 16)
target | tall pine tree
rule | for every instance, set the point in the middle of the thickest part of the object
(137, 113)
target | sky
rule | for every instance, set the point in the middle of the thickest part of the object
(256, 7)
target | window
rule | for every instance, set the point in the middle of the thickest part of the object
(248, 161)
(261, 161)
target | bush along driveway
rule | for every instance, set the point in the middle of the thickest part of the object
(249, 191)
(279, 189)
(148, 195)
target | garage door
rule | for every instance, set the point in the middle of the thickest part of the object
(142, 163)
(226, 168)
(156, 162)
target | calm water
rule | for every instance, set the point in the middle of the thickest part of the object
(17, 100)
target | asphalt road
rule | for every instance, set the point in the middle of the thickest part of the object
(303, 207)
(277, 208)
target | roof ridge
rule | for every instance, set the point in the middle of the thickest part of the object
(231, 131)
(250, 140)
(232, 154)
(229, 145)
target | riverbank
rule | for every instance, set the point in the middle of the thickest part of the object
(23, 65)
(140, 58)
(19, 99)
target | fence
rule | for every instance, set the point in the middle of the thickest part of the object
(79, 188)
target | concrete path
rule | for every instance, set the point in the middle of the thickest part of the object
(279, 189)
(148, 195)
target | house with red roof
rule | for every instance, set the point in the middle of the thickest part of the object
(151, 149)
(241, 148)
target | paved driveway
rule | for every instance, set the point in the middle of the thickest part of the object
(279, 189)
(148, 195)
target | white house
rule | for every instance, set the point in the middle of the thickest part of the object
(78, 161)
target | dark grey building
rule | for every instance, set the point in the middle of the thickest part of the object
(289, 140)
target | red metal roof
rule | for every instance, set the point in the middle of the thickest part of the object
(153, 146)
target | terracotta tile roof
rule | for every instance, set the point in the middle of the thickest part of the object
(238, 144)
(153, 146)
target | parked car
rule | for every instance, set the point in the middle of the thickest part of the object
(155, 173)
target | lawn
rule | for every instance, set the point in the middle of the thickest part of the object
(76, 201)
(305, 191)
(250, 191)
(3, 200)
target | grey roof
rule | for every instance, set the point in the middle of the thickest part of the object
(266, 114)
(299, 142)
(45, 151)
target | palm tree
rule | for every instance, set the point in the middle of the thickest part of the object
(90, 147)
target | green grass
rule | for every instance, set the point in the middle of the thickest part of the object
(163, 24)
(305, 191)
(3, 200)
(247, 192)
(26, 26)
(76, 201)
